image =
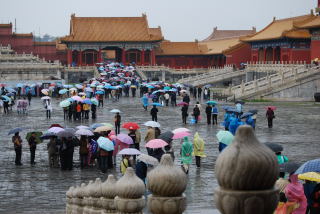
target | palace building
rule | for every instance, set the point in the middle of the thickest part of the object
(123, 39)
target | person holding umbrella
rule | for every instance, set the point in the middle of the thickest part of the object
(33, 146)
(84, 151)
(184, 113)
(208, 113)
(17, 142)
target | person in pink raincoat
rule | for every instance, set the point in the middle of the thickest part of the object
(295, 193)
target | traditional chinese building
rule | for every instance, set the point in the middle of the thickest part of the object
(281, 40)
(123, 39)
(220, 48)
(24, 43)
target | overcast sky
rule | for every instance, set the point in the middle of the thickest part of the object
(180, 20)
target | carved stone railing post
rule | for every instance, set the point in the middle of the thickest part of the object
(246, 172)
(69, 195)
(79, 198)
(167, 184)
(87, 202)
(108, 194)
(95, 194)
(130, 194)
(75, 200)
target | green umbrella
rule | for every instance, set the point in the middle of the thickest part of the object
(225, 137)
(64, 103)
(38, 135)
(167, 88)
(94, 101)
(211, 102)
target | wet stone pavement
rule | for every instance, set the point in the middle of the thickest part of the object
(38, 189)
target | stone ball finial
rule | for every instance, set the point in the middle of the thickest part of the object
(246, 164)
(129, 185)
(109, 187)
(95, 190)
(81, 191)
(87, 189)
(69, 193)
(166, 179)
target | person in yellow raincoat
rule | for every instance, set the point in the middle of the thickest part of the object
(198, 148)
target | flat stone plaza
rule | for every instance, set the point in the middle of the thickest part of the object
(39, 189)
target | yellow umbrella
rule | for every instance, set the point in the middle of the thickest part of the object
(103, 129)
(310, 176)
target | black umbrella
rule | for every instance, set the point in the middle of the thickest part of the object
(253, 111)
(47, 136)
(289, 167)
(274, 147)
(166, 136)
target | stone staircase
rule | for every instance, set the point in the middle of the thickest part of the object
(272, 83)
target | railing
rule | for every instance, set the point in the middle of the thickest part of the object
(180, 70)
(82, 68)
(270, 81)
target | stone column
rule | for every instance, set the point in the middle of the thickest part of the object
(80, 58)
(108, 194)
(130, 190)
(123, 56)
(167, 184)
(246, 172)
(142, 57)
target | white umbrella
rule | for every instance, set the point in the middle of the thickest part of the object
(115, 111)
(82, 127)
(84, 132)
(55, 130)
(45, 98)
(180, 130)
(147, 159)
(152, 124)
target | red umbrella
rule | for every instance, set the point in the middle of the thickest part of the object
(56, 125)
(272, 107)
(131, 125)
(182, 104)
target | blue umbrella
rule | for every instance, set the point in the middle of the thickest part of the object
(11, 90)
(67, 86)
(247, 114)
(96, 125)
(105, 144)
(211, 102)
(150, 86)
(88, 89)
(10, 94)
(19, 85)
(78, 86)
(15, 130)
(226, 107)
(5, 98)
(155, 104)
(309, 166)
(99, 92)
(63, 91)
(87, 101)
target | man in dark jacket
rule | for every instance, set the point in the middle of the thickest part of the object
(33, 146)
(270, 116)
(208, 113)
(154, 113)
(184, 113)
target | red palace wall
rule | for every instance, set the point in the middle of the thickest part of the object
(300, 55)
(315, 49)
(241, 55)
(183, 61)
(254, 55)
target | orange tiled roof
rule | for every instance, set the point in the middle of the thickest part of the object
(220, 46)
(180, 48)
(280, 28)
(228, 34)
(5, 25)
(23, 34)
(111, 29)
(311, 23)
(156, 32)
(44, 43)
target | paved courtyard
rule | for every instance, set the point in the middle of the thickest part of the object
(38, 189)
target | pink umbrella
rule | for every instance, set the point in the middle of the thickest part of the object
(272, 107)
(180, 135)
(180, 130)
(124, 138)
(182, 104)
(77, 98)
(129, 151)
(156, 143)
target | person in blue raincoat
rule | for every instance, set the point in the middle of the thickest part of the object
(144, 101)
(227, 121)
(233, 125)
(250, 122)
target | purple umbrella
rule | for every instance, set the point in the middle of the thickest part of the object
(129, 151)
(124, 138)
